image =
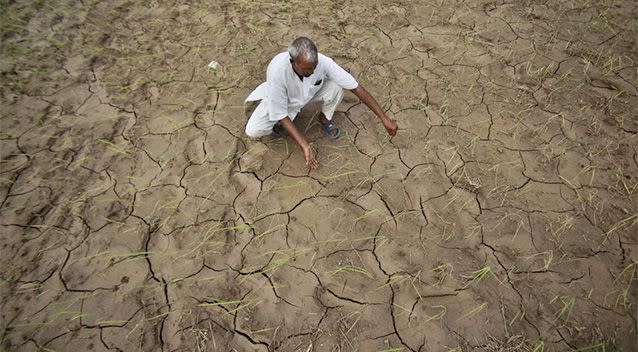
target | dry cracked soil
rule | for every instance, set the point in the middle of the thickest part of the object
(136, 215)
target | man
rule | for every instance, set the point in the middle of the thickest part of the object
(295, 78)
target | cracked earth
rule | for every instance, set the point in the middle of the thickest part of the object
(135, 215)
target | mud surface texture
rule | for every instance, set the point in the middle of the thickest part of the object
(135, 214)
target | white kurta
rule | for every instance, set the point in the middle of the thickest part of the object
(284, 93)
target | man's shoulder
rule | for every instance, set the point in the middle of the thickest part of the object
(278, 64)
(280, 59)
(326, 61)
(321, 58)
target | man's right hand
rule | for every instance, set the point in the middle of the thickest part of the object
(301, 141)
(390, 126)
(310, 158)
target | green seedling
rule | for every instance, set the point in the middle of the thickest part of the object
(539, 347)
(336, 175)
(568, 304)
(104, 323)
(438, 315)
(405, 310)
(290, 252)
(220, 303)
(395, 279)
(365, 215)
(208, 235)
(116, 148)
(474, 311)
(354, 323)
(454, 197)
(362, 181)
(350, 268)
(52, 320)
(626, 222)
(270, 230)
(276, 285)
(626, 269)
(625, 294)
(222, 171)
(547, 259)
(158, 316)
(477, 275)
(240, 304)
(262, 330)
(271, 267)
(519, 316)
(589, 348)
(443, 271)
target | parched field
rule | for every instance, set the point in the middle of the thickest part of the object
(135, 214)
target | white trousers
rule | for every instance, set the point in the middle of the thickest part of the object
(260, 125)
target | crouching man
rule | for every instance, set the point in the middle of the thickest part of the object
(296, 78)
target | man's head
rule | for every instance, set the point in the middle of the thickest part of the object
(303, 56)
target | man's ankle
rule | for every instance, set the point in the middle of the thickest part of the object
(323, 120)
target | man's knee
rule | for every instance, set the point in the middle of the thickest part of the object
(334, 93)
(256, 127)
(252, 132)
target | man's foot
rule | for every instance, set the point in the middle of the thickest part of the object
(278, 130)
(332, 131)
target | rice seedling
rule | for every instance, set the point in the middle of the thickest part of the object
(262, 330)
(520, 314)
(590, 347)
(360, 183)
(547, 261)
(624, 296)
(290, 252)
(568, 303)
(477, 276)
(270, 231)
(442, 271)
(539, 346)
(272, 267)
(52, 320)
(629, 221)
(221, 171)
(442, 310)
(120, 257)
(116, 148)
(220, 303)
(474, 311)
(350, 268)
(365, 215)
(212, 230)
(394, 279)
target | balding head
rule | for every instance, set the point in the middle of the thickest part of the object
(303, 49)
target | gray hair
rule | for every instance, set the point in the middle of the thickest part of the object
(303, 46)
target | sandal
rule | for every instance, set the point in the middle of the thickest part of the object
(278, 130)
(332, 131)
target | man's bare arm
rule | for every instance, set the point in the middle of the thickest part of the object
(301, 141)
(370, 102)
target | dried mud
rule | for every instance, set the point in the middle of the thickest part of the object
(136, 215)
